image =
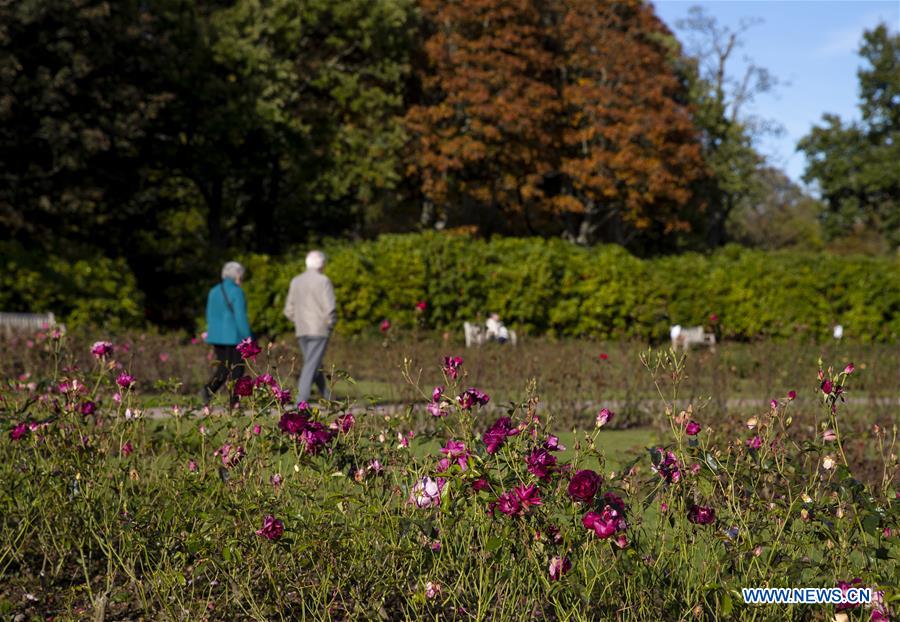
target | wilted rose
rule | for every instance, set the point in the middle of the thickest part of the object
(272, 528)
(472, 397)
(604, 417)
(452, 365)
(558, 567)
(231, 455)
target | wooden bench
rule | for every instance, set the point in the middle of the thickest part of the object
(685, 337)
(26, 322)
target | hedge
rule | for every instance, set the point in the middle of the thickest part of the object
(539, 287)
(552, 287)
(84, 290)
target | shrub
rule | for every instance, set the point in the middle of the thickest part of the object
(79, 290)
(551, 287)
(299, 512)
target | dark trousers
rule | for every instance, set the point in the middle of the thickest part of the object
(228, 362)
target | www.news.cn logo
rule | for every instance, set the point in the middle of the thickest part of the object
(806, 595)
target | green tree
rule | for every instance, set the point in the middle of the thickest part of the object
(175, 133)
(77, 99)
(778, 215)
(324, 86)
(855, 163)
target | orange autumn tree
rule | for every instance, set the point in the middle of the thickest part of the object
(556, 116)
(631, 148)
(480, 142)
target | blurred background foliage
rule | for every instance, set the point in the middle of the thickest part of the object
(144, 142)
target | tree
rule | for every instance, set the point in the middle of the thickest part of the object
(719, 102)
(778, 214)
(175, 133)
(77, 99)
(631, 153)
(553, 117)
(855, 164)
(326, 86)
(483, 139)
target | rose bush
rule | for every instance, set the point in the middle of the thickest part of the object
(284, 510)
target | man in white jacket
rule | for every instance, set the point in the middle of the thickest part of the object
(311, 306)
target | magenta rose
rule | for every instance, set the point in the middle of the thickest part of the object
(248, 348)
(496, 435)
(509, 504)
(243, 386)
(480, 484)
(101, 349)
(844, 586)
(541, 463)
(472, 397)
(701, 515)
(293, 422)
(528, 495)
(458, 452)
(604, 524)
(19, 431)
(584, 485)
(315, 436)
(343, 423)
(264, 380)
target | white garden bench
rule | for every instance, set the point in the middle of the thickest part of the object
(685, 337)
(26, 322)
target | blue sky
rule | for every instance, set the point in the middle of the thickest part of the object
(811, 46)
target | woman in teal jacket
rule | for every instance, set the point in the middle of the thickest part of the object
(227, 326)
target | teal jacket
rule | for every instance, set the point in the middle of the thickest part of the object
(226, 326)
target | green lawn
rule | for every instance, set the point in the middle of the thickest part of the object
(619, 446)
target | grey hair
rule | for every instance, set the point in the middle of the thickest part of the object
(315, 260)
(232, 270)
